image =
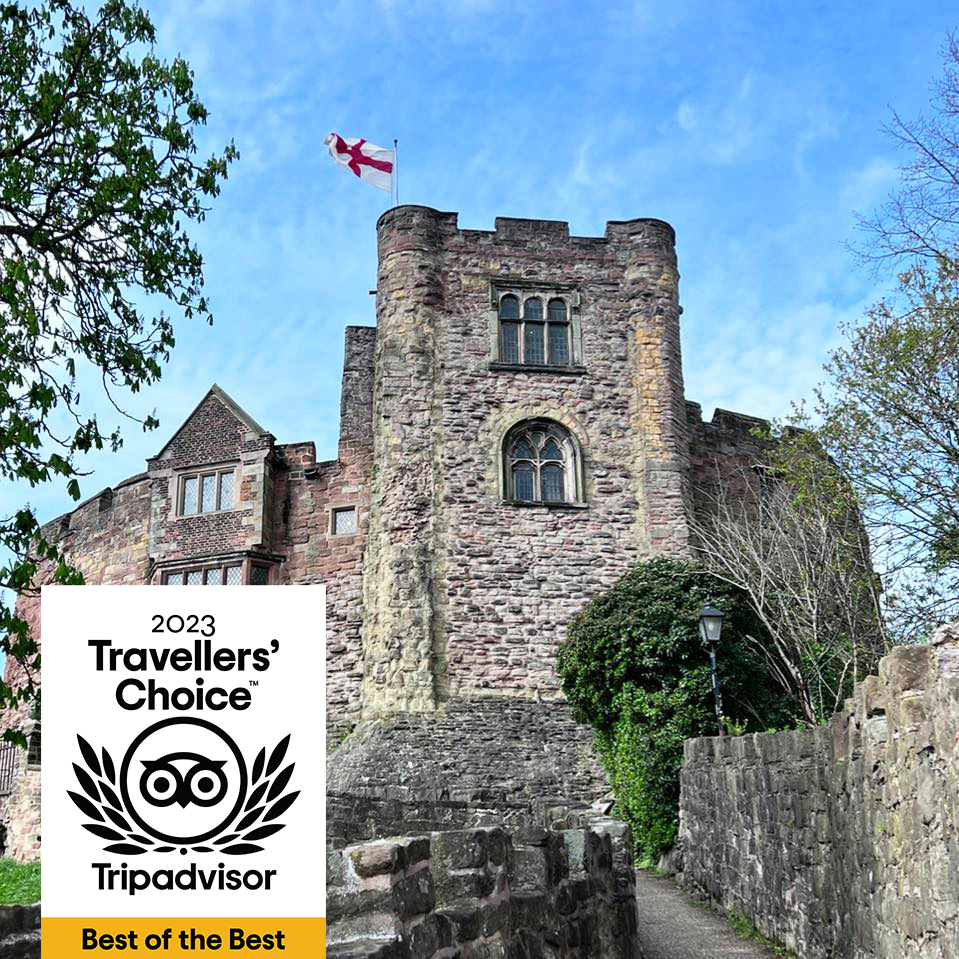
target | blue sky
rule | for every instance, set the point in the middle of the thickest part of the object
(754, 128)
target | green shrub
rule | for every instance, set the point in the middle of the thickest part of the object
(634, 668)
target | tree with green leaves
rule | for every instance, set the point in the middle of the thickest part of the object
(888, 413)
(889, 417)
(99, 182)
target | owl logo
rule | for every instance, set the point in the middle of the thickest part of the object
(183, 778)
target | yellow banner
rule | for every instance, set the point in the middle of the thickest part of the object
(76, 938)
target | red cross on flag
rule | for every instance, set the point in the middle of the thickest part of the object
(370, 163)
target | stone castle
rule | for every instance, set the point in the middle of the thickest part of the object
(514, 437)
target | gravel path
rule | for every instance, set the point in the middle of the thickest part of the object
(672, 926)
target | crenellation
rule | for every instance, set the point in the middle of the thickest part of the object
(562, 887)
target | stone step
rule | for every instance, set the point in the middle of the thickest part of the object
(25, 945)
(367, 949)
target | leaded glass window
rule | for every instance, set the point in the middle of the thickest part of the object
(551, 478)
(206, 492)
(541, 463)
(533, 331)
(558, 333)
(190, 498)
(509, 329)
(523, 485)
(534, 345)
(344, 521)
(219, 575)
(226, 490)
(534, 339)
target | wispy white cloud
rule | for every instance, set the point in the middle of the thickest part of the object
(751, 128)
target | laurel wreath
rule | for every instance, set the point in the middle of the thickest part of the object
(265, 805)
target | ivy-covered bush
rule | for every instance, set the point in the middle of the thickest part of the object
(634, 668)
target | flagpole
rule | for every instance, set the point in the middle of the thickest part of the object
(396, 170)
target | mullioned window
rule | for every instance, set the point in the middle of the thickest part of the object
(541, 461)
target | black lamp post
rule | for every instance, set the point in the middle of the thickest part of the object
(710, 629)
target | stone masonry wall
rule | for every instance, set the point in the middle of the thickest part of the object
(21, 817)
(20, 932)
(306, 494)
(722, 453)
(562, 890)
(492, 752)
(106, 537)
(840, 842)
(353, 818)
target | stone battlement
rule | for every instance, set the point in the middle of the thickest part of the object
(565, 887)
(510, 229)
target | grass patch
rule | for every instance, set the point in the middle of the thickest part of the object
(746, 930)
(19, 882)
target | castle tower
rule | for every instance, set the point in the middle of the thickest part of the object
(479, 554)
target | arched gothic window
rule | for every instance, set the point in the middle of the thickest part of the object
(541, 463)
(534, 339)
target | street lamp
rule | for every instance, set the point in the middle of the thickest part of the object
(710, 629)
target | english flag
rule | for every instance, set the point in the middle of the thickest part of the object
(370, 163)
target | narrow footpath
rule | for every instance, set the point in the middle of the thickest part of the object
(672, 926)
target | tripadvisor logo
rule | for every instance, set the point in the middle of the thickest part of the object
(183, 785)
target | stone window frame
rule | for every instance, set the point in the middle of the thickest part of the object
(544, 291)
(331, 525)
(198, 473)
(204, 567)
(574, 472)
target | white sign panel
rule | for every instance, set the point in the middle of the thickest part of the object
(183, 768)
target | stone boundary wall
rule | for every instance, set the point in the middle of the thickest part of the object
(494, 751)
(20, 810)
(840, 841)
(564, 891)
(20, 932)
(352, 819)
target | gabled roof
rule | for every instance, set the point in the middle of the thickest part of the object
(231, 404)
